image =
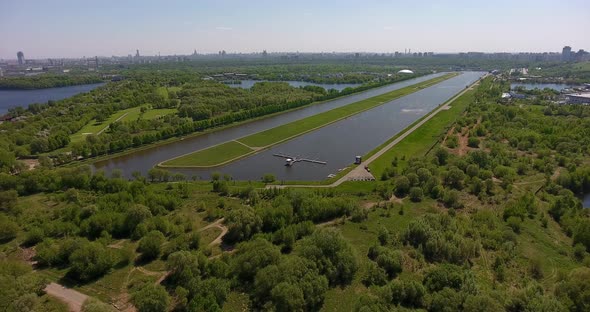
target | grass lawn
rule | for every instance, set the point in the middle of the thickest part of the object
(158, 112)
(423, 138)
(94, 127)
(150, 114)
(220, 154)
(212, 156)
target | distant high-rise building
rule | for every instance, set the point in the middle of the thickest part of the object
(137, 53)
(21, 58)
(566, 53)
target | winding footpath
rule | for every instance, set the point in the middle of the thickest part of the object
(73, 298)
(218, 224)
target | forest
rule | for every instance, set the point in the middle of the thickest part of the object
(55, 131)
(489, 219)
(47, 80)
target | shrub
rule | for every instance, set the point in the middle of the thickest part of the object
(151, 298)
(150, 245)
(268, 178)
(416, 194)
(452, 141)
(514, 223)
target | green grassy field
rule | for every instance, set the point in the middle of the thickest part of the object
(94, 127)
(159, 112)
(423, 138)
(212, 156)
(150, 114)
(222, 153)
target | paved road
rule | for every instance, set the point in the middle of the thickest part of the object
(74, 299)
(359, 171)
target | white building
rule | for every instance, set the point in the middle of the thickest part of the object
(578, 98)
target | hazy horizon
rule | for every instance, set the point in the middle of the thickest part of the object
(73, 29)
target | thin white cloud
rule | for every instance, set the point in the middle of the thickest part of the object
(223, 28)
(387, 28)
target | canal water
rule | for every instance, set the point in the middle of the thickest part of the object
(144, 160)
(247, 84)
(22, 98)
(531, 86)
(339, 143)
(586, 201)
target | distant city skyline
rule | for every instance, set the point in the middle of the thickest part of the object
(73, 29)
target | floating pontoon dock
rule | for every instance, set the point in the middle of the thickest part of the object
(290, 160)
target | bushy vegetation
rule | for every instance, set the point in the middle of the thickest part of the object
(48, 81)
(48, 128)
(495, 226)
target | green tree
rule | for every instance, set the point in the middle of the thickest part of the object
(242, 224)
(402, 186)
(574, 291)
(8, 229)
(582, 233)
(332, 254)
(268, 178)
(481, 303)
(287, 297)
(90, 260)
(445, 300)
(416, 194)
(150, 245)
(94, 305)
(151, 298)
(253, 256)
(8, 200)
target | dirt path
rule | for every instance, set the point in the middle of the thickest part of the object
(73, 298)
(118, 244)
(218, 224)
(360, 169)
(105, 128)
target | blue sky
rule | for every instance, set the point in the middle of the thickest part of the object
(66, 28)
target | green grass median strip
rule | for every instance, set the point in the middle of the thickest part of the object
(299, 127)
(210, 157)
(233, 150)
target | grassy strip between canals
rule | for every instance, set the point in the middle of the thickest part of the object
(213, 156)
(422, 139)
(218, 155)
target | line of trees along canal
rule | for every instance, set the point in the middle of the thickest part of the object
(201, 105)
(467, 231)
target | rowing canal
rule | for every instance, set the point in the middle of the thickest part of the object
(337, 144)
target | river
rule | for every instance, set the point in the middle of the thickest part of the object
(22, 98)
(531, 86)
(586, 201)
(247, 84)
(143, 160)
(343, 140)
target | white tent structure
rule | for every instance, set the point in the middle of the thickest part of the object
(405, 71)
